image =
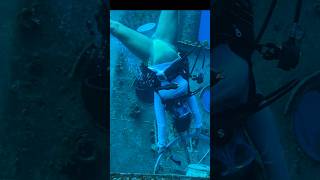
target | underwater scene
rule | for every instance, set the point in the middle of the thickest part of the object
(160, 94)
(265, 122)
(54, 92)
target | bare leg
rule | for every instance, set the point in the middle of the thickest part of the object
(137, 43)
(164, 38)
(167, 26)
(160, 49)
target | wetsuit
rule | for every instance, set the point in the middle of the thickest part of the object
(162, 95)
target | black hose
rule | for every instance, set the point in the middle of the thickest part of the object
(194, 65)
(266, 21)
(281, 89)
(190, 52)
(277, 95)
(297, 14)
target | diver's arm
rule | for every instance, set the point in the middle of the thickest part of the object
(139, 44)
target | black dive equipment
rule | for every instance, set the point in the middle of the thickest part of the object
(234, 19)
(181, 114)
(288, 53)
(236, 28)
(149, 82)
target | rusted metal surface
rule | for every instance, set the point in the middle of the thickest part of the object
(138, 176)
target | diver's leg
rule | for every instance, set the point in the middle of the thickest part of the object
(161, 121)
(163, 39)
(137, 43)
(192, 102)
(263, 132)
(167, 26)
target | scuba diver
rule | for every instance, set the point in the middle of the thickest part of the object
(236, 103)
(169, 71)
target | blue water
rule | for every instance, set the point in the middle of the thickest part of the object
(123, 97)
(204, 29)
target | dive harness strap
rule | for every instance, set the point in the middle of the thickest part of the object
(180, 66)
